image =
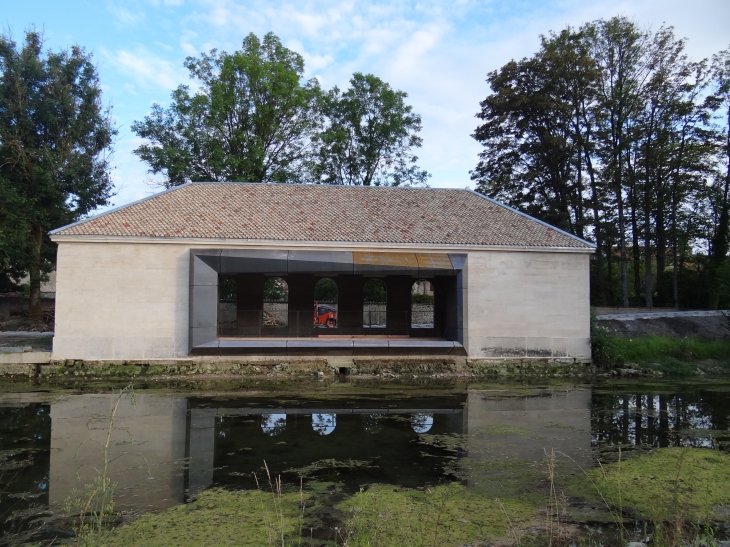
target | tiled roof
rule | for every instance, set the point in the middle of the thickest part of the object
(352, 214)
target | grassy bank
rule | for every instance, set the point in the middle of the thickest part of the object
(672, 355)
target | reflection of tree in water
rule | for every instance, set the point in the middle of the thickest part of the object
(273, 424)
(661, 420)
(421, 422)
(373, 423)
(25, 443)
(324, 424)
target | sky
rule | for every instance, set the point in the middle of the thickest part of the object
(437, 51)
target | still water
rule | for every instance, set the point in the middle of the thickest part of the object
(167, 444)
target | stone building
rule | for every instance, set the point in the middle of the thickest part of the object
(144, 281)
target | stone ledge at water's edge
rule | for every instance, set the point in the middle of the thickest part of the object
(377, 366)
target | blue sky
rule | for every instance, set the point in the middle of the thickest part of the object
(437, 51)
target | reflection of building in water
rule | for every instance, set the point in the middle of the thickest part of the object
(146, 451)
(324, 424)
(381, 441)
(528, 425)
(164, 446)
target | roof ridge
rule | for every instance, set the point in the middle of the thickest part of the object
(323, 185)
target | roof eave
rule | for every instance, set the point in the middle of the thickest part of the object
(234, 242)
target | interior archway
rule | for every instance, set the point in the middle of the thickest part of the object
(276, 303)
(374, 304)
(325, 303)
(422, 305)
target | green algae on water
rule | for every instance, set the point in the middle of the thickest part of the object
(690, 484)
(447, 515)
(219, 517)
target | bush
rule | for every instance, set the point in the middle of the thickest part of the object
(421, 299)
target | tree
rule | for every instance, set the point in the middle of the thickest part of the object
(55, 145)
(605, 132)
(534, 132)
(369, 137)
(252, 119)
(618, 45)
(720, 101)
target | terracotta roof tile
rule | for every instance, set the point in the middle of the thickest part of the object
(352, 214)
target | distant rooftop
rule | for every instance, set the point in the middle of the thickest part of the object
(321, 213)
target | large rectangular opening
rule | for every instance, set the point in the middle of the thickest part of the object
(324, 300)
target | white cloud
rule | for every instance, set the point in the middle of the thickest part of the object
(167, 2)
(185, 42)
(147, 69)
(438, 51)
(166, 47)
(125, 16)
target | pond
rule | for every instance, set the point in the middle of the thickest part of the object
(359, 462)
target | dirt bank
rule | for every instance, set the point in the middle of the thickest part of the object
(711, 327)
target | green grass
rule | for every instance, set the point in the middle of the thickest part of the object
(652, 347)
(674, 354)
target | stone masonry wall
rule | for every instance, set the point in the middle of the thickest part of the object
(127, 301)
(121, 301)
(528, 304)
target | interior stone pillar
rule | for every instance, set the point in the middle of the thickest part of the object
(446, 321)
(399, 304)
(350, 303)
(301, 304)
(250, 303)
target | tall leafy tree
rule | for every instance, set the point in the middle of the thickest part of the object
(369, 136)
(55, 142)
(606, 133)
(526, 160)
(617, 45)
(720, 186)
(674, 155)
(251, 120)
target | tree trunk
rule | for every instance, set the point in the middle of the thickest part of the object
(634, 208)
(675, 262)
(660, 236)
(622, 239)
(720, 241)
(600, 278)
(648, 285)
(36, 306)
(621, 235)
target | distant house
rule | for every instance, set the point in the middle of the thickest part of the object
(144, 281)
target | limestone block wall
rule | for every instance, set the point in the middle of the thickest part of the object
(131, 301)
(528, 304)
(121, 301)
